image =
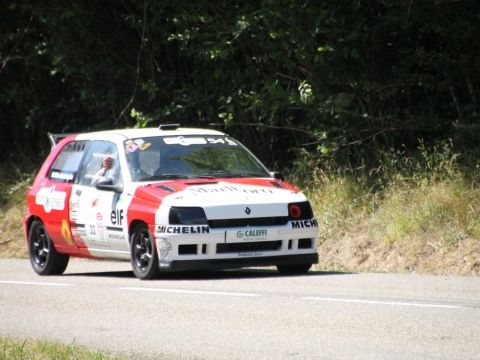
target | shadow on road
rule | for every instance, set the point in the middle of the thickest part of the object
(248, 273)
(106, 274)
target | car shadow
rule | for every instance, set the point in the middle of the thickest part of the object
(106, 274)
(246, 273)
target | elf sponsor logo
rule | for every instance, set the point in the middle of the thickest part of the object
(116, 217)
(164, 229)
(302, 224)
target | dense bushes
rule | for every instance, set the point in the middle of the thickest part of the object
(341, 80)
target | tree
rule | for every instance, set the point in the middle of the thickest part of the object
(340, 79)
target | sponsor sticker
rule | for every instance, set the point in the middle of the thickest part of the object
(74, 207)
(187, 141)
(229, 189)
(78, 231)
(59, 175)
(180, 140)
(241, 234)
(50, 199)
(302, 224)
(116, 217)
(66, 234)
(137, 144)
(248, 235)
(177, 230)
(164, 247)
(116, 236)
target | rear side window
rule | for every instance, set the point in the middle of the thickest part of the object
(65, 166)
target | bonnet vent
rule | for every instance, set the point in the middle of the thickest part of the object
(166, 188)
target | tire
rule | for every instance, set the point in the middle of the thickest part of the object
(295, 269)
(143, 253)
(44, 258)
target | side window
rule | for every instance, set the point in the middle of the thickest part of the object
(65, 166)
(101, 162)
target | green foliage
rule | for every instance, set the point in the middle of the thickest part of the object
(343, 80)
(141, 120)
(14, 180)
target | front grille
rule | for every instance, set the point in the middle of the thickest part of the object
(249, 246)
(261, 221)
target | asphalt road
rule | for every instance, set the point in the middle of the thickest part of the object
(244, 314)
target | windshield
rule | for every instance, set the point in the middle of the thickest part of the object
(186, 157)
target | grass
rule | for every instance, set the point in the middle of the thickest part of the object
(14, 349)
(421, 216)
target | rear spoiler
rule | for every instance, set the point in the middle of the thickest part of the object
(56, 138)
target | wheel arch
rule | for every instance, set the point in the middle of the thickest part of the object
(28, 223)
(133, 225)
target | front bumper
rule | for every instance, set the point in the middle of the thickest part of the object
(182, 248)
(212, 264)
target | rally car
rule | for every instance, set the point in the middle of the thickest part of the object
(167, 199)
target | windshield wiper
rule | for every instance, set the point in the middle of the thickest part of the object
(164, 177)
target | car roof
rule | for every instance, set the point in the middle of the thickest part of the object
(124, 134)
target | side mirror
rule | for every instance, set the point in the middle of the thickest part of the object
(277, 175)
(108, 185)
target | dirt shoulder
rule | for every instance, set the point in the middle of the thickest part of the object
(359, 253)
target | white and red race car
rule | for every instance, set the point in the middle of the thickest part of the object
(167, 199)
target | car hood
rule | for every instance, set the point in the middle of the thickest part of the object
(225, 198)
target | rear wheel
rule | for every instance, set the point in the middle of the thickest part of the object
(295, 269)
(44, 258)
(143, 253)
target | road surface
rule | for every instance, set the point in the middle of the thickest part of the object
(243, 314)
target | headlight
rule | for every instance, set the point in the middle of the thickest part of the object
(187, 216)
(300, 211)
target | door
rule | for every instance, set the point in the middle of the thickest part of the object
(98, 216)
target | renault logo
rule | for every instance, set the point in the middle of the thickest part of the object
(247, 210)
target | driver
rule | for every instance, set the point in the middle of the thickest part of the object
(106, 171)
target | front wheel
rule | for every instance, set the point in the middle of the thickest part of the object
(295, 269)
(143, 253)
(43, 256)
